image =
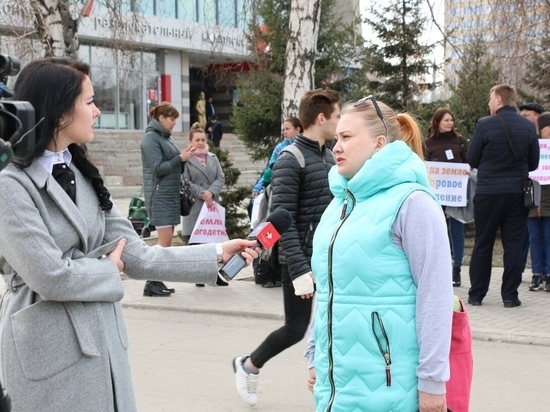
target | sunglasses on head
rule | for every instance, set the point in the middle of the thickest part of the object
(376, 107)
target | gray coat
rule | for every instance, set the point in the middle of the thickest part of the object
(63, 343)
(162, 166)
(210, 178)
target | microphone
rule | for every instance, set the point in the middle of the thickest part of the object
(266, 234)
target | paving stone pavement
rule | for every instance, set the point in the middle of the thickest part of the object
(491, 321)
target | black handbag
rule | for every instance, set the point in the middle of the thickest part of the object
(187, 200)
(531, 193)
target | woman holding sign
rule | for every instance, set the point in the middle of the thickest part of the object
(444, 144)
(539, 225)
(205, 175)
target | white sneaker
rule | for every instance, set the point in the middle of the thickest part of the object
(246, 383)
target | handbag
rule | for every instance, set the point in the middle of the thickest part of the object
(187, 199)
(531, 188)
(531, 193)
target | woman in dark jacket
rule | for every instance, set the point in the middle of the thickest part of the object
(539, 225)
(444, 144)
(162, 164)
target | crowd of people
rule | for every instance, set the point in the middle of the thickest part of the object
(378, 302)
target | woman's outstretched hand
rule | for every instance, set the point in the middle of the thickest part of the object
(248, 249)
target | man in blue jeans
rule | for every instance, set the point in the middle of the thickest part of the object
(305, 193)
(499, 200)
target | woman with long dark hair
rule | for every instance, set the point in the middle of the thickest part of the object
(63, 343)
(444, 144)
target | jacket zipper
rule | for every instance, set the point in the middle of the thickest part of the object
(308, 234)
(343, 218)
(385, 351)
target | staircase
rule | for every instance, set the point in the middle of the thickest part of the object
(118, 157)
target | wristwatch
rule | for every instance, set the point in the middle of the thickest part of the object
(219, 252)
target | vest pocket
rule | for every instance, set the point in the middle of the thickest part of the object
(383, 343)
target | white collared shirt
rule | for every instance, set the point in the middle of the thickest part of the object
(49, 159)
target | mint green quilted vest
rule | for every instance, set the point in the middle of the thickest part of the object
(364, 281)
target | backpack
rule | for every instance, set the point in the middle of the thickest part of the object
(264, 201)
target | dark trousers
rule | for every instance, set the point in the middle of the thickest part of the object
(297, 314)
(492, 212)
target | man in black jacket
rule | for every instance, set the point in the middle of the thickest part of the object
(498, 202)
(305, 193)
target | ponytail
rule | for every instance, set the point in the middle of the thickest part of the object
(410, 133)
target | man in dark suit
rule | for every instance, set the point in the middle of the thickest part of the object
(210, 109)
(215, 132)
(499, 200)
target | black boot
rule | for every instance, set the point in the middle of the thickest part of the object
(152, 288)
(162, 285)
(456, 276)
(221, 282)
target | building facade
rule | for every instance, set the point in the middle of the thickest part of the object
(140, 59)
(149, 51)
(511, 30)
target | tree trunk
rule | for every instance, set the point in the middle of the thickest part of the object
(56, 27)
(300, 53)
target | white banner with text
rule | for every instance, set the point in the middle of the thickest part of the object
(449, 182)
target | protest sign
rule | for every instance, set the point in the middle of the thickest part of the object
(210, 225)
(542, 173)
(449, 182)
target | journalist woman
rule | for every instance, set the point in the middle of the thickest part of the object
(63, 343)
(382, 328)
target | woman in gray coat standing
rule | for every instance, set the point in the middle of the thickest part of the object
(162, 164)
(63, 343)
(206, 178)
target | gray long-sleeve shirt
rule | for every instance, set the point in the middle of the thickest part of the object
(419, 235)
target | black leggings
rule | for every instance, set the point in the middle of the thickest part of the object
(297, 314)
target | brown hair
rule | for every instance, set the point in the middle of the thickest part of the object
(195, 129)
(400, 126)
(315, 102)
(164, 109)
(295, 122)
(507, 93)
(436, 120)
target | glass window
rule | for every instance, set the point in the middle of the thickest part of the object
(207, 12)
(119, 79)
(187, 10)
(244, 13)
(145, 7)
(84, 53)
(166, 8)
(226, 13)
(104, 79)
(130, 109)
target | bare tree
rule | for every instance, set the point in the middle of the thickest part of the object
(56, 23)
(300, 53)
(512, 30)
